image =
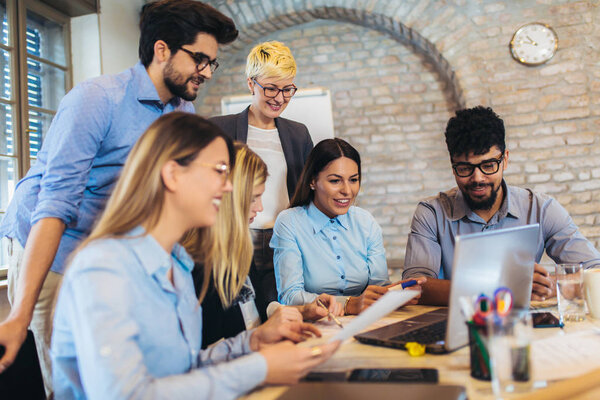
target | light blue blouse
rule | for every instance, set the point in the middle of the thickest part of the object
(315, 254)
(122, 330)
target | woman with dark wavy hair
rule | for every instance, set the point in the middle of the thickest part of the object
(325, 244)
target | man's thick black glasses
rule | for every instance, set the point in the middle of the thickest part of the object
(272, 92)
(487, 167)
(202, 60)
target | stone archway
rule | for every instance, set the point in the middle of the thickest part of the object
(251, 33)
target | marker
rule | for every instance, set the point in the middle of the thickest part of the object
(337, 321)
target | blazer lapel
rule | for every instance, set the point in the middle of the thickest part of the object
(241, 126)
(285, 139)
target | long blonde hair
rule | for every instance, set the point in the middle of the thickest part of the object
(139, 193)
(226, 248)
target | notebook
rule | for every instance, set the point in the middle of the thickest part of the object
(482, 262)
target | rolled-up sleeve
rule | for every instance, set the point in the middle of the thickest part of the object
(288, 264)
(71, 144)
(563, 241)
(423, 251)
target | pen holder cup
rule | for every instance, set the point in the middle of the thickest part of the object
(479, 354)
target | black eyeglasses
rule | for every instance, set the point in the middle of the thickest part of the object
(487, 167)
(202, 60)
(272, 92)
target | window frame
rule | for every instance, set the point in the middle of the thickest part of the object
(24, 158)
(16, 14)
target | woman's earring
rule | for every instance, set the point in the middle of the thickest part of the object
(312, 187)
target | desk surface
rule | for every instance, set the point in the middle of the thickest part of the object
(453, 368)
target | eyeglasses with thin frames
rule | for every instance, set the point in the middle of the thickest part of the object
(202, 60)
(272, 92)
(222, 169)
(487, 167)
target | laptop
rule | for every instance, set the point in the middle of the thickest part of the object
(379, 391)
(482, 262)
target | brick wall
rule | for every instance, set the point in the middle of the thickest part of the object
(398, 69)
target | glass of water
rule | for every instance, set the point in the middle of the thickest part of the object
(510, 350)
(569, 291)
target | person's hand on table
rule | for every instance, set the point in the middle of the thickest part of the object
(543, 285)
(278, 328)
(313, 311)
(287, 314)
(420, 280)
(287, 363)
(12, 336)
(372, 293)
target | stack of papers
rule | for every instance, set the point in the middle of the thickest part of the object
(566, 356)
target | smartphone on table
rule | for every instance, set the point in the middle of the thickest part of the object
(545, 320)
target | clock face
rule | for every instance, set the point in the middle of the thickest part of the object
(534, 44)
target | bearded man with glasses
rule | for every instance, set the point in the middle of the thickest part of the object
(97, 123)
(481, 201)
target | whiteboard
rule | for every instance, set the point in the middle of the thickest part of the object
(312, 107)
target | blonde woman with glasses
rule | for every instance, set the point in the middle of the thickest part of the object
(128, 323)
(283, 144)
(230, 305)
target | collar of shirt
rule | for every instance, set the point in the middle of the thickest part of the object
(153, 257)
(319, 220)
(146, 90)
(509, 207)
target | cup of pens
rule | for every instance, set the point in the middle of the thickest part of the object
(482, 316)
(479, 355)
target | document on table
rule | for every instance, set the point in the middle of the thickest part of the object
(382, 307)
(566, 356)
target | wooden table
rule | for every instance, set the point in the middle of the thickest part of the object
(453, 368)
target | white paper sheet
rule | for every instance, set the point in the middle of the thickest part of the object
(353, 325)
(566, 356)
(382, 307)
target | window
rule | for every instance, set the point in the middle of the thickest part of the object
(35, 73)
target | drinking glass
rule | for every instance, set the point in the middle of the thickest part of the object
(569, 291)
(510, 350)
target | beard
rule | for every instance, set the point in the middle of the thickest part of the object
(177, 84)
(483, 204)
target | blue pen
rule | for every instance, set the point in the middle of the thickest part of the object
(404, 285)
(410, 283)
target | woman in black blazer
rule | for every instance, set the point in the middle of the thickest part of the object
(283, 144)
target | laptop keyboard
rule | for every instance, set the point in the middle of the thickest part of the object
(428, 334)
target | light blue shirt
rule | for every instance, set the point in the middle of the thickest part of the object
(315, 254)
(439, 219)
(95, 127)
(122, 330)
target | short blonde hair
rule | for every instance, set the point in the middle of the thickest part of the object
(272, 60)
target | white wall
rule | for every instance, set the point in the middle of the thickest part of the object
(105, 43)
(85, 47)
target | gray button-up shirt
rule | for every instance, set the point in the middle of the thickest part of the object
(439, 219)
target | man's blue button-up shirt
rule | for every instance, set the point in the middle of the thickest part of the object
(95, 127)
(439, 219)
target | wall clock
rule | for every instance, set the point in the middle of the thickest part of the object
(534, 44)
